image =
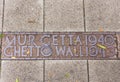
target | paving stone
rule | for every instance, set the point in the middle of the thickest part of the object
(1, 9)
(102, 14)
(23, 15)
(104, 71)
(64, 15)
(25, 71)
(66, 71)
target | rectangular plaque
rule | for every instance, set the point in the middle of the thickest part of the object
(59, 45)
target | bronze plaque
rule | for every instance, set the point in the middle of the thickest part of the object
(59, 45)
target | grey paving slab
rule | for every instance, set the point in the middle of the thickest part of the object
(24, 71)
(102, 14)
(23, 15)
(64, 15)
(1, 12)
(1, 9)
(66, 71)
(104, 70)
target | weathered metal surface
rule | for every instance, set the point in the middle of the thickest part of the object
(118, 44)
(59, 45)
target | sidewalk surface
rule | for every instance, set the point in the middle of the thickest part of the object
(60, 16)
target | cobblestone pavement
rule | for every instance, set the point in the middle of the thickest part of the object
(60, 16)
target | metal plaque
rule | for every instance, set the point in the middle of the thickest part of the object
(59, 45)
